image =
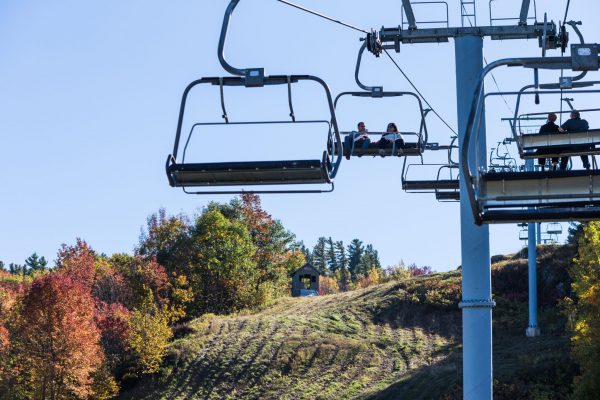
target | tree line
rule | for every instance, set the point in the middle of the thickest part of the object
(93, 323)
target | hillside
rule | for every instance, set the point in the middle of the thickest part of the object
(395, 340)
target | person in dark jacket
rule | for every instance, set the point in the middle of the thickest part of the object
(549, 127)
(575, 124)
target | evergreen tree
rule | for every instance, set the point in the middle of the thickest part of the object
(17, 269)
(319, 257)
(331, 257)
(341, 255)
(355, 254)
(369, 261)
(307, 254)
(35, 263)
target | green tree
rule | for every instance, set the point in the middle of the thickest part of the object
(586, 285)
(223, 272)
(355, 255)
(319, 255)
(307, 253)
(368, 261)
(35, 263)
(332, 262)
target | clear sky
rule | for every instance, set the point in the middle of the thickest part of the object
(90, 93)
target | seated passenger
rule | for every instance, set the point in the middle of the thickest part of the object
(575, 124)
(391, 137)
(549, 127)
(355, 139)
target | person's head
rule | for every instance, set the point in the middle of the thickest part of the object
(575, 114)
(361, 126)
(551, 117)
(392, 127)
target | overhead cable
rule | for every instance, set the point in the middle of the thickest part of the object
(420, 94)
(322, 16)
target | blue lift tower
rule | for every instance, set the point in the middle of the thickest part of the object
(477, 300)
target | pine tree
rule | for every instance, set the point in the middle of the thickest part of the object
(331, 258)
(355, 254)
(319, 256)
(307, 253)
(369, 261)
(35, 263)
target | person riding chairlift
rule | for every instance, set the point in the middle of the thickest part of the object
(391, 137)
(358, 139)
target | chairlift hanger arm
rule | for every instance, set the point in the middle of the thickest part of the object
(410, 15)
(524, 12)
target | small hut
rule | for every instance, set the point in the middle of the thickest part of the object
(305, 281)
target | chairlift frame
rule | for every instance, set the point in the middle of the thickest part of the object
(528, 196)
(248, 173)
(444, 189)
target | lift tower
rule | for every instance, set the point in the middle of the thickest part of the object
(477, 300)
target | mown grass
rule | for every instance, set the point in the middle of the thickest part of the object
(399, 340)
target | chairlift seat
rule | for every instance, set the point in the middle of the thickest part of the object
(447, 195)
(539, 188)
(407, 149)
(440, 184)
(247, 173)
(559, 144)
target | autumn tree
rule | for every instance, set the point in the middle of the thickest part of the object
(585, 274)
(78, 262)
(166, 240)
(58, 343)
(149, 335)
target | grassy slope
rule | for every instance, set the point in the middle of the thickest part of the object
(392, 341)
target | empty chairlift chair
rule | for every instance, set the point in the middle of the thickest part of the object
(414, 142)
(445, 186)
(211, 177)
(514, 196)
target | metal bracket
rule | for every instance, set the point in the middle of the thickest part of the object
(477, 303)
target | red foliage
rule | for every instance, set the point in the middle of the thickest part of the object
(3, 338)
(58, 339)
(113, 322)
(78, 262)
(419, 271)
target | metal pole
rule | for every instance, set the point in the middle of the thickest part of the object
(477, 301)
(532, 328)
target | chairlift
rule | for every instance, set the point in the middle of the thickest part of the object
(523, 233)
(414, 142)
(554, 228)
(208, 175)
(530, 196)
(445, 185)
(534, 145)
(500, 158)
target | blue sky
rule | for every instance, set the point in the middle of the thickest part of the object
(90, 92)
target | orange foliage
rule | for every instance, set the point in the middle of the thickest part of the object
(58, 342)
(328, 285)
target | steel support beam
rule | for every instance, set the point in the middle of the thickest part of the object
(435, 35)
(475, 244)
